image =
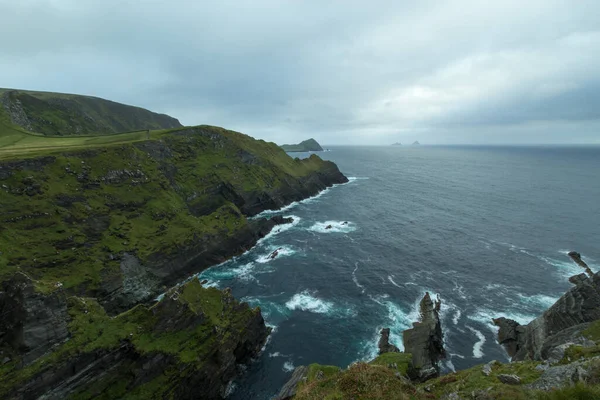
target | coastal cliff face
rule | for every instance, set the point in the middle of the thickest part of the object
(559, 327)
(123, 223)
(188, 343)
(89, 238)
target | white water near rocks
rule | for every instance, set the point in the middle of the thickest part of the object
(415, 225)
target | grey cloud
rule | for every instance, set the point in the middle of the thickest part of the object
(343, 71)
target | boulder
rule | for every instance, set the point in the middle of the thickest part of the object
(509, 379)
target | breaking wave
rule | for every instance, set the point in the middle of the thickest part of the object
(477, 347)
(333, 226)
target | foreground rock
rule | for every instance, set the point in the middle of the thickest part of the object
(425, 340)
(187, 344)
(384, 343)
(559, 327)
(289, 389)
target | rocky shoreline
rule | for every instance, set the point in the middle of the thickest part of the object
(79, 316)
(556, 351)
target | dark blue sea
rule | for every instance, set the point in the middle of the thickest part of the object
(486, 228)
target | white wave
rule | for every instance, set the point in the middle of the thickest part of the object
(477, 352)
(333, 226)
(230, 388)
(539, 299)
(288, 366)
(393, 282)
(356, 279)
(457, 355)
(357, 178)
(371, 346)
(296, 203)
(277, 354)
(282, 251)
(565, 268)
(306, 302)
(448, 364)
(398, 319)
(460, 290)
(485, 316)
(456, 317)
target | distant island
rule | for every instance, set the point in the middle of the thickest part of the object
(307, 145)
(416, 143)
(397, 144)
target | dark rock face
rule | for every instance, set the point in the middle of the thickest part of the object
(384, 343)
(425, 341)
(92, 371)
(31, 323)
(289, 389)
(557, 327)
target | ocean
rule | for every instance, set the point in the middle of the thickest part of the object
(486, 228)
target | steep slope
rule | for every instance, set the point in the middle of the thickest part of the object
(307, 145)
(67, 114)
(185, 346)
(88, 239)
(121, 222)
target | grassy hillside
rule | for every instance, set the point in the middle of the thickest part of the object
(58, 114)
(64, 214)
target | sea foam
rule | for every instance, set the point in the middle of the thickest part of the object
(477, 347)
(333, 227)
(305, 301)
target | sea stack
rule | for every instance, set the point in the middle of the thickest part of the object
(425, 340)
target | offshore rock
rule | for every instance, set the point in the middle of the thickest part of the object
(558, 327)
(384, 343)
(425, 341)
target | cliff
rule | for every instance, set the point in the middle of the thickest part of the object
(68, 114)
(89, 237)
(187, 344)
(122, 223)
(307, 145)
(559, 327)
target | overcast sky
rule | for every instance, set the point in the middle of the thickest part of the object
(344, 72)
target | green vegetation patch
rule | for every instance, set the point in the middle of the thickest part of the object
(213, 320)
(401, 361)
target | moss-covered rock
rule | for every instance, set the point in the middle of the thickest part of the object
(188, 343)
(121, 222)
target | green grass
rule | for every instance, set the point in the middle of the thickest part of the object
(59, 114)
(144, 327)
(401, 360)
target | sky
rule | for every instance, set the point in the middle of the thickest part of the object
(341, 71)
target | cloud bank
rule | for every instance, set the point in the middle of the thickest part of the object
(344, 72)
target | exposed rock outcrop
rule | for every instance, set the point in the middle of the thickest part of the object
(425, 340)
(200, 337)
(384, 343)
(558, 327)
(288, 391)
